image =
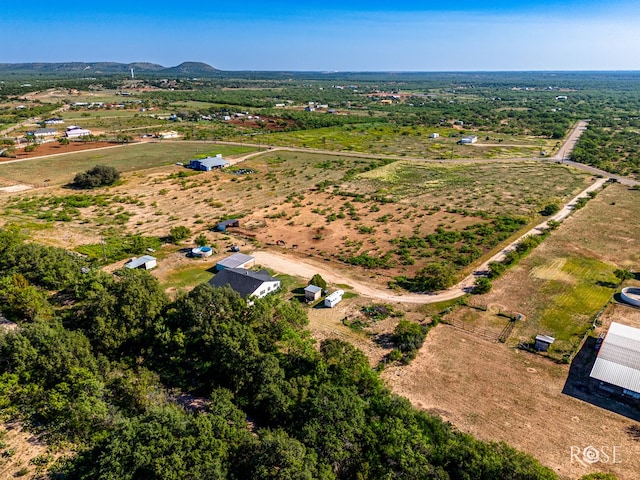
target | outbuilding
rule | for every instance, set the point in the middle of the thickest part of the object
(617, 367)
(333, 299)
(74, 131)
(209, 163)
(237, 260)
(146, 262)
(44, 132)
(434, 135)
(312, 293)
(232, 222)
(469, 139)
(543, 342)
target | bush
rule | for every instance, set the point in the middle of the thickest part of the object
(318, 281)
(177, 234)
(98, 176)
(550, 209)
(483, 285)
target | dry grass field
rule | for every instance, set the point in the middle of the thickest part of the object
(324, 205)
(562, 285)
(503, 394)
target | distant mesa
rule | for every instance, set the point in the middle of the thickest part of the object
(110, 68)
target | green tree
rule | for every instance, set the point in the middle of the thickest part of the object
(177, 234)
(318, 281)
(98, 176)
(435, 276)
(482, 285)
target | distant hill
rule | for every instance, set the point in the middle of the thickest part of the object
(110, 68)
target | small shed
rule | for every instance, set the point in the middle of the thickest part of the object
(237, 260)
(333, 299)
(543, 342)
(469, 139)
(312, 293)
(146, 262)
(434, 135)
(232, 222)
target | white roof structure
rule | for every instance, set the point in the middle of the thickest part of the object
(312, 289)
(145, 260)
(618, 361)
(237, 260)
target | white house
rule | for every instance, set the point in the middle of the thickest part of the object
(53, 121)
(44, 132)
(333, 299)
(469, 139)
(76, 132)
(247, 282)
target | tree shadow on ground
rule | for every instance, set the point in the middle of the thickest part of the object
(578, 384)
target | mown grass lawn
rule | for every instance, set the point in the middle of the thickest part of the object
(60, 169)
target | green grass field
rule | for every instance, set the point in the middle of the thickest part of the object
(61, 169)
(504, 188)
(574, 289)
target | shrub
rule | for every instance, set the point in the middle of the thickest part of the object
(176, 234)
(550, 209)
(98, 176)
(483, 285)
(318, 281)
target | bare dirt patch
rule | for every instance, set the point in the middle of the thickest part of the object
(55, 148)
(24, 455)
(502, 394)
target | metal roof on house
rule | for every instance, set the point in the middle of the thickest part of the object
(235, 260)
(245, 282)
(138, 262)
(618, 361)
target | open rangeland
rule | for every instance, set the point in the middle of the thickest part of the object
(356, 211)
(60, 169)
(412, 141)
(498, 392)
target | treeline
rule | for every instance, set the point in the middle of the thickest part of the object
(109, 363)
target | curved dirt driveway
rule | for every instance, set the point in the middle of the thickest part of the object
(307, 268)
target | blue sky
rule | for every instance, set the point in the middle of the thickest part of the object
(330, 35)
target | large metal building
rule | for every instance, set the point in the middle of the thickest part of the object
(617, 367)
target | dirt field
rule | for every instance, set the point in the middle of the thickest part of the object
(55, 148)
(23, 455)
(498, 393)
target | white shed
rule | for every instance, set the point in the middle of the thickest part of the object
(333, 299)
(146, 262)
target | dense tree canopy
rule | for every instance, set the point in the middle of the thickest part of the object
(209, 387)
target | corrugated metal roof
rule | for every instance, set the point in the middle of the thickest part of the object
(312, 289)
(618, 361)
(138, 262)
(235, 260)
